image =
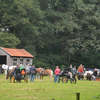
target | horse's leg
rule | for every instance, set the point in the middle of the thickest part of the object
(79, 76)
(82, 77)
(50, 77)
(51, 74)
(40, 77)
(10, 78)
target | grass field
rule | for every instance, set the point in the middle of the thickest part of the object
(48, 90)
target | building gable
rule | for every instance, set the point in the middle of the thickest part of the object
(17, 52)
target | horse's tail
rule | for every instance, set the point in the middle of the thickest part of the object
(51, 74)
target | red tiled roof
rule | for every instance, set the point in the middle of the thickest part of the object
(17, 52)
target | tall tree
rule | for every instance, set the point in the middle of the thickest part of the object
(25, 19)
(8, 40)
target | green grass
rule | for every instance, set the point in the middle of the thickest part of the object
(47, 90)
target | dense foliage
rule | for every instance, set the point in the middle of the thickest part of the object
(8, 40)
(56, 32)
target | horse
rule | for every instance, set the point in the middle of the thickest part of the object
(10, 73)
(88, 75)
(80, 76)
(44, 72)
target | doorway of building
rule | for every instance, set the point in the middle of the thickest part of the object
(2, 59)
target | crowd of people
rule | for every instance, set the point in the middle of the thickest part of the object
(73, 72)
(57, 73)
(32, 70)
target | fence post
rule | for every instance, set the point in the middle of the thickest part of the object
(77, 96)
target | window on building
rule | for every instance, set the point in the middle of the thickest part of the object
(27, 60)
(14, 63)
(21, 63)
(26, 63)
(15, 59)
(21, 60)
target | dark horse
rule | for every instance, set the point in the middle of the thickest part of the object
(10, 73)
(80, 76)
(44, 72)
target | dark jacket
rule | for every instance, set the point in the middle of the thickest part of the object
(95, 73)
(32, 70)
(17, 67)
(17, 70)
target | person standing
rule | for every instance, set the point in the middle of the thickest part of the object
(84, 69)
(80, 72)
(71, 66)
(32, 73)
(71, 70)
(80, 69)
(21, 67)
(29, 67)
(74, 71)
(94, 75)
(17, 67)
(17, 73)
(57, 72)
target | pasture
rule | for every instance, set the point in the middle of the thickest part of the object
(47, 90)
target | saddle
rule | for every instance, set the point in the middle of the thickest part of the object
(41, 72)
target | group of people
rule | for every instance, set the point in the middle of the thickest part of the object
(81, 70)
(72, 72)
(32, 70)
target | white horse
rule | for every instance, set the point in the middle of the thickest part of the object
(6, 68)
(85, 74)
(90, 73)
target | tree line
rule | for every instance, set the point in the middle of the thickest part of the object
(55, 32)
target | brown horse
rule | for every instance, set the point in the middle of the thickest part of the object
(89, 76)
(10, 73)
(44, 72)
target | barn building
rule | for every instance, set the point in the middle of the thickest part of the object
(11, 56)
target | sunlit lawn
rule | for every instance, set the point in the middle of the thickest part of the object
(47, 90)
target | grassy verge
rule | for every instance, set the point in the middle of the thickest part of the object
(47, 90)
